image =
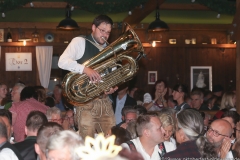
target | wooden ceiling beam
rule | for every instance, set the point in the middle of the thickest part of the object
(138, 14)
(180, 6)
(164, 6)
(47, 5)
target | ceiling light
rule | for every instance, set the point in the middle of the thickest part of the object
(158, 25)
(3, 15)
(68, 23)
(218, 15)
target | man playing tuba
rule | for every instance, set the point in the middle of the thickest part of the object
(96, 115)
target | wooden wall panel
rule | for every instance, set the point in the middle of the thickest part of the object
(11, 77)
(173, 65)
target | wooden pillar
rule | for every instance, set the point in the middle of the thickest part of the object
(238, 76)
(238, 61)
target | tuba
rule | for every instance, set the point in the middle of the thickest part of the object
(78, 89)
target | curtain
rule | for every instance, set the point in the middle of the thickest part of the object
(44, 63)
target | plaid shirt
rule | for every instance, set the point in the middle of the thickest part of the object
(187, 149)
(22, 109)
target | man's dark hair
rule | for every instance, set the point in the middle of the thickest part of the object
(27, 93)
(3, 129)
(6, 113)
(102, 18)
(35, 120)
(232, 114)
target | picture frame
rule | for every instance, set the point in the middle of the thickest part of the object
(18, 61)
(201, 77)
(152, 77)
(1, 35)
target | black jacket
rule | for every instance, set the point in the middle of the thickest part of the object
(26, 148)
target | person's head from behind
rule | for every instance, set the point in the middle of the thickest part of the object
(217, 131)
(6, 117)
(217, 90)
(179, 92)
(3, 131)
(35, 120)
(168, 125)
(228, 100)
(40, 94)
(140, 109)
(150, 128)
(101, 28)
(27, 93)
(16, 91)
(63, 145)
(50, 102)
(54, 115)
(189, 127)
(232, 117)
(44, 132)
(197, 99)
(122, 135)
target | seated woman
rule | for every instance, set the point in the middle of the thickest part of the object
(158, 99)
(179, 95)
(3, 95)
(189, 134)
(168, 126)
(228, 103)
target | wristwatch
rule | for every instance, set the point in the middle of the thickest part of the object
(153, 101)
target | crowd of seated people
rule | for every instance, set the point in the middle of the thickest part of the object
(163, 123)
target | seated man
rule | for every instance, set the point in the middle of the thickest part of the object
(54, 115)
(128, 114)
(34, 121)
(44, 132)
(8, 151)
(197, 100)
(121, 100)
(151, 133)
(219, 134)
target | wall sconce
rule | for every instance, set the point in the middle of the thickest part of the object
(154, 43)
(22, 37)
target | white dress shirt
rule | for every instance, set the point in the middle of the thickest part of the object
(7, 154)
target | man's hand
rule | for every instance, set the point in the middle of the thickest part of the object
(112, 90)
(226, 144)
(93, 75)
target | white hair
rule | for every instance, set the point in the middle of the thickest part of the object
(65, 139)
(51, 111)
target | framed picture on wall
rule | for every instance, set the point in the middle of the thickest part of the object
(201, 77)
(1, 35)
(152, 77)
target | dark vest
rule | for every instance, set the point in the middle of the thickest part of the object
(90, 50)
(10, 146)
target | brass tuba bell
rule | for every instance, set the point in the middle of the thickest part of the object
(78, 89)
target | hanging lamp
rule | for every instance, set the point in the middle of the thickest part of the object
(68, 23)
(158, 25)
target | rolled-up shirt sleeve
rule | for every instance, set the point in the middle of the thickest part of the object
(73, 52)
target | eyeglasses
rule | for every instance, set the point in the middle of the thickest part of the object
(56, 120)
(215, 133)
(103, 31)
(235, 129)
